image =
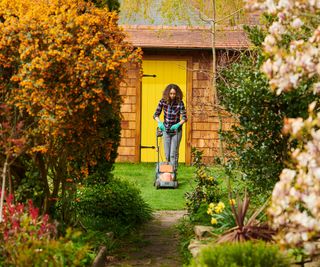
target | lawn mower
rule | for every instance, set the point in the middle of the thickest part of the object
(166, 173)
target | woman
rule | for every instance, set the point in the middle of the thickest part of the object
(174, 117)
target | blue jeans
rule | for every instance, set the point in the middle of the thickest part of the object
(171, 147)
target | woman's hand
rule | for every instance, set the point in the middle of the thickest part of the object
(175, 126)
(161, 125)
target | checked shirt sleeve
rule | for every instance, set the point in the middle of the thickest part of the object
(159, 109)
(183, 111)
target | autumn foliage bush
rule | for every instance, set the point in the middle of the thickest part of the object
(61, 63)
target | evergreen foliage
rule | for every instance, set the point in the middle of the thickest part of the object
(258, 147)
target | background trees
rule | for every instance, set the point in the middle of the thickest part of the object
(228, 12)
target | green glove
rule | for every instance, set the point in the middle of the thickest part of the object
(161, 126)
(175, 127)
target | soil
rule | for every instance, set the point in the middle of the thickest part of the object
(157, 244)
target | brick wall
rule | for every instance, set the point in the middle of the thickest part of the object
(206, 121)
(129, 141)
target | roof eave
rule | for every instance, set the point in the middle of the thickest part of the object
(184, 37)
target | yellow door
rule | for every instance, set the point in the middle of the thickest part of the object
(157, 75)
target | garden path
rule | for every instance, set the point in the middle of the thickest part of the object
(157, 244)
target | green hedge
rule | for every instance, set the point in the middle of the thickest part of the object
(246, 254)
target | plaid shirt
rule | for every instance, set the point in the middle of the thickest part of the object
(172, 113)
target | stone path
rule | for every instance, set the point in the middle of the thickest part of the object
(157, 245)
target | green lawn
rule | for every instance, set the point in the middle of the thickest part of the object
(143, 176)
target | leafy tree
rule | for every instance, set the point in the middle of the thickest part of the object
(61, 64)
(258, 147)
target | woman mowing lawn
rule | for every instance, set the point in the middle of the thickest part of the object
(175, 116)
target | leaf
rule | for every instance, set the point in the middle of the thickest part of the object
(252, 229)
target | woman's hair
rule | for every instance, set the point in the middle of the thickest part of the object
(166, 93)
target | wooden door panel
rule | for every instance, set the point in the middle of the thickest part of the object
(166, 72)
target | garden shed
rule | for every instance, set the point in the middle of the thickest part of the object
(182, 55)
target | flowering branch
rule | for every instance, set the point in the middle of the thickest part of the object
(293, 52)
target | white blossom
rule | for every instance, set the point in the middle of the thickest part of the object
(270, 4)
(297, 125)
(277, 29)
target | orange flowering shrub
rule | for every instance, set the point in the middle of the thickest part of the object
(61, 63)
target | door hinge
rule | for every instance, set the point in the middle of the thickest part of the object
(152, 147)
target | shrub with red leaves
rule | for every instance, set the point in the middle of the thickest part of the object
(22, 222)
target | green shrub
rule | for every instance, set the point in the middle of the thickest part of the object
(43, 252)
(186, 232)
(247, 254)
(115, 206)
(200, 216)
(207, 188)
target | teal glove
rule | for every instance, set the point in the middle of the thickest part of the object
(161, 126)
(174, 127)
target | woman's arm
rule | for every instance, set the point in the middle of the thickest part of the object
(158, 111)
(183, 113)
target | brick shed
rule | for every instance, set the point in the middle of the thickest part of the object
(182, 55)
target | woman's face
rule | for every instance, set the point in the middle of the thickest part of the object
(172, 94)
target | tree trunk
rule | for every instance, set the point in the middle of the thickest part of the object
(4, 171)
(44, 179)
(216, 103)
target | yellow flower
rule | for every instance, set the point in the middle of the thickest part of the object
(211, 205)
(232, 201)
(221, 204)
(209, 211)
(219, 208)
(214, 221)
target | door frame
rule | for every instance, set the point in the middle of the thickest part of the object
(188, 104)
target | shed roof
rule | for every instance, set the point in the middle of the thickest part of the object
(182, 37)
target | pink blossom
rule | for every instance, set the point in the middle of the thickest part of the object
(297, 23)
